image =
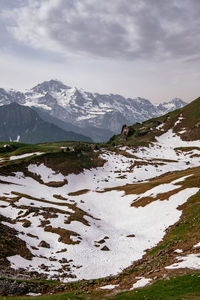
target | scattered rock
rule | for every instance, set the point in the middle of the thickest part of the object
(44, 244)
(101, 241)
(26, 224)
(16, 288)
(105, 248)
(131, 235)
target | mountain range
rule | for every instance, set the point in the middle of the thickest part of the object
(21, 123)
(98, 116)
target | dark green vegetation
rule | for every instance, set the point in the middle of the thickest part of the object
(67, 157)
(143, 134)
(23, 124)
(181, 287)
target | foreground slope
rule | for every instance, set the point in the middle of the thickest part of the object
(131, 220)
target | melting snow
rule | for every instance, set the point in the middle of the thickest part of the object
(109, 286)
(197, 245)
(191, 261)
(179, 120)
(33, 294)
(99, 243)
(141, 282)
(46, 174)
(24, 155)
(165, 148)
(178, 251)
(113, 217)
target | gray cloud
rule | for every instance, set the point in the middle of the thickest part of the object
(125, 29)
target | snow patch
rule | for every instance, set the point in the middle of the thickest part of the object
(24, 155)
(141, 282)
(109, 286)
(191, 261)
(47, 174)
(178, 251)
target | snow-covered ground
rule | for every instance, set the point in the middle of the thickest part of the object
(47, 175)
(98, 233)
(165, 148)
(116, 234)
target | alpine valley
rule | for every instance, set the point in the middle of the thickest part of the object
(90, 114)
(114, 220)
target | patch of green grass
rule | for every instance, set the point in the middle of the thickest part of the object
(22, 148)
(177, 288)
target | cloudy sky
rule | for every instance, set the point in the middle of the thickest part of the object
(146, 48)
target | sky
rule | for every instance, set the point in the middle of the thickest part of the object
(136, 48)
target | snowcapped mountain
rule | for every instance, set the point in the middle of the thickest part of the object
(170, 106)
(85, 109)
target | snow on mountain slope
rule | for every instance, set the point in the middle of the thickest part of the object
(80, 230)
(85, 109)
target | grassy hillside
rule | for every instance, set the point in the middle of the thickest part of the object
(68, 157)
(143, 134)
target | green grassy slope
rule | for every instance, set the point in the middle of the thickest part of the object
(177, 288)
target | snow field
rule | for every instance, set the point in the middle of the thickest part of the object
(113, 220)
(111, 234)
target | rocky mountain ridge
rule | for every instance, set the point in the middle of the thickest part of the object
(84, 109)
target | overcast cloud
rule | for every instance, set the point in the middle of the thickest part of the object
(125, 29)
(147, 48)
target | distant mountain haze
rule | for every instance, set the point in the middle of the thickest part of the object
(21, 123)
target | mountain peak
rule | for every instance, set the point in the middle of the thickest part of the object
(178, 102)
(49, 86)
(174, 104)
